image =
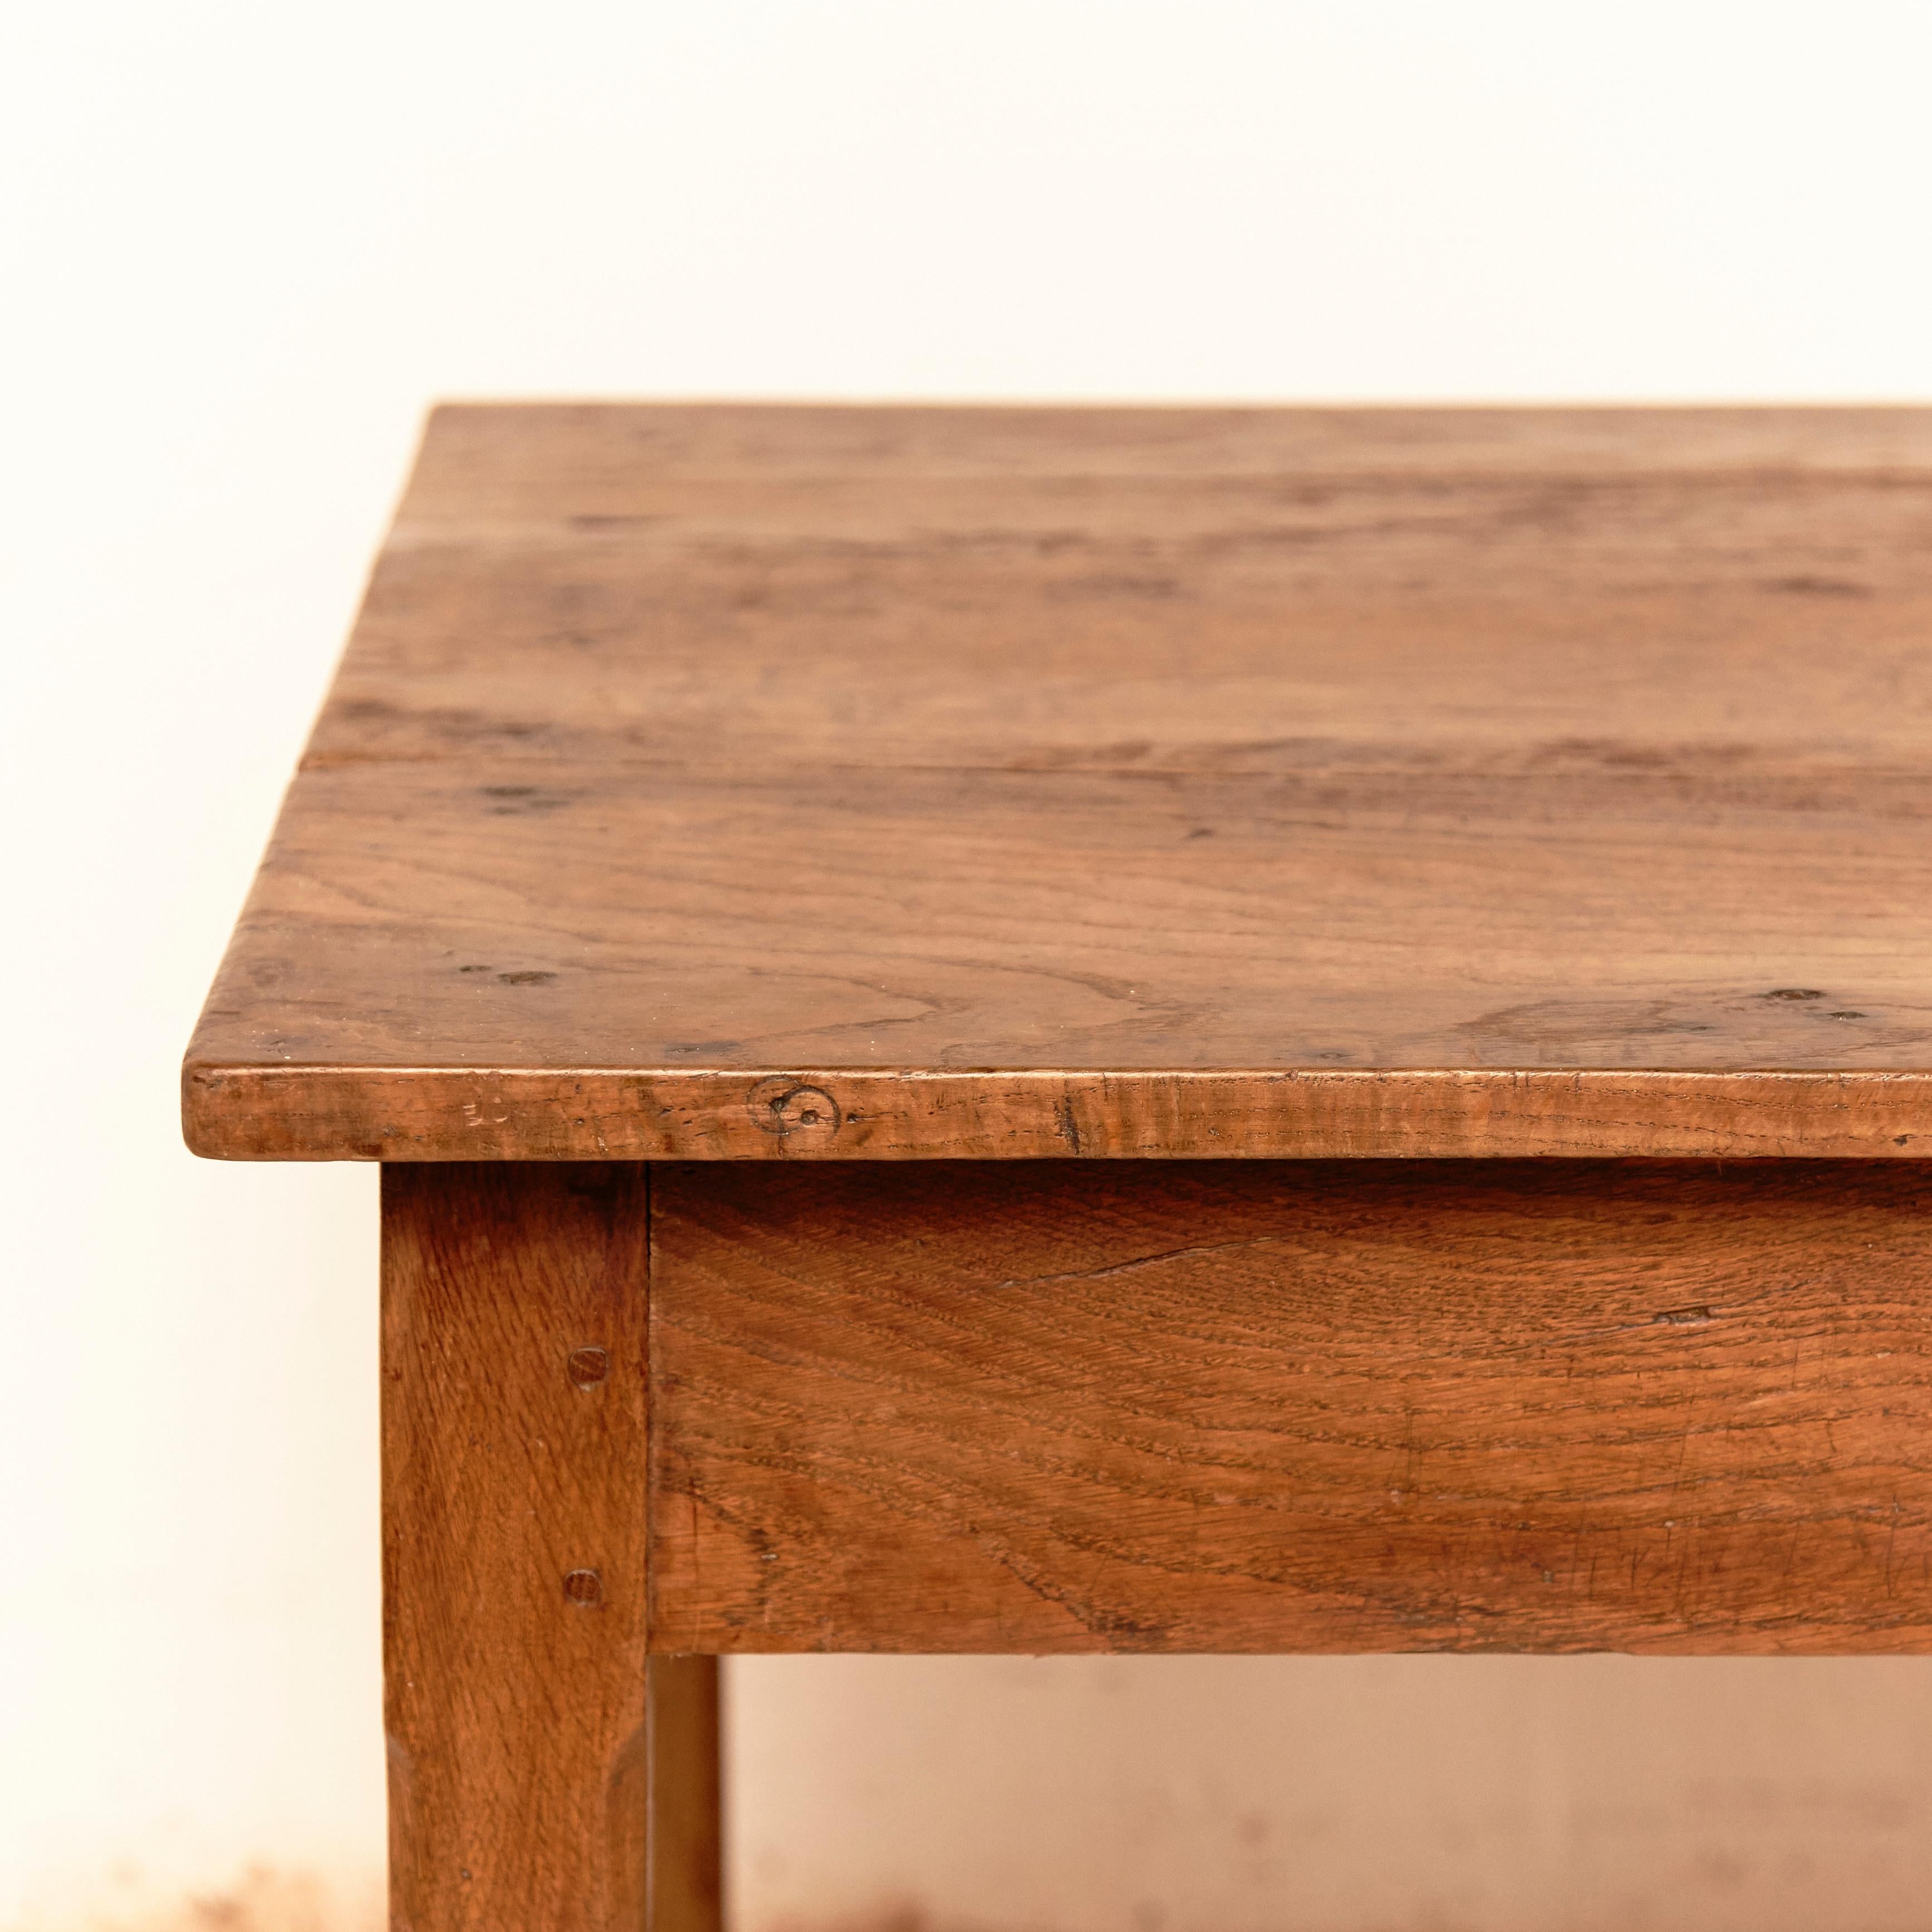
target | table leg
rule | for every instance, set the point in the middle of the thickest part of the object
(681, 1880)
(532, 1749)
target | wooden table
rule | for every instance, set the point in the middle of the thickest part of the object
(967, 1012)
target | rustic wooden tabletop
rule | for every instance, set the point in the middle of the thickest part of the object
(867, 782)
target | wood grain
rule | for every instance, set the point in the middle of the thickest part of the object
(1647, 1406)
(1111, 782)
(528, 1755)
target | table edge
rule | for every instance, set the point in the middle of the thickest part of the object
(234, 1111)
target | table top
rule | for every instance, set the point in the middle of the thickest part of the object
(723, 780)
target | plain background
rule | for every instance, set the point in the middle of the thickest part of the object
(244, 246)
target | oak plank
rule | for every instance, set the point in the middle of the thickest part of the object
(1645, 1406)
(1146, 782)
(1544, 621)
(948, 967)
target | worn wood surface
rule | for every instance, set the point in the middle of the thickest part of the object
(1039, 1407)
(1111, 781)
(528, 1753)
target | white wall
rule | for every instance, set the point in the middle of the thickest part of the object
(1220, 1794)
(241, 246)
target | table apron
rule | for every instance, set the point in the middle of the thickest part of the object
(1555, 1405)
